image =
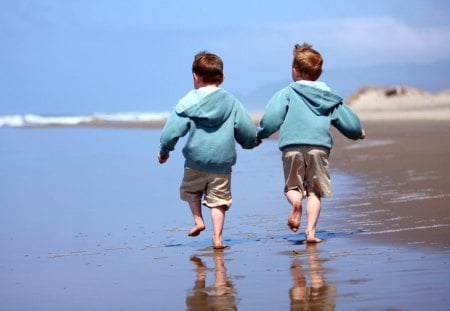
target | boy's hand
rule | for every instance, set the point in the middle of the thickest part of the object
(363, 135)
(162, 158)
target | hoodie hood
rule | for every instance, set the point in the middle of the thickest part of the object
(319, 101)
(208, 108)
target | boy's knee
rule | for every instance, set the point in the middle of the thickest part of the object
(297, 204)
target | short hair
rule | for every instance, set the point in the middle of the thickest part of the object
(208, 66)
(307, 61)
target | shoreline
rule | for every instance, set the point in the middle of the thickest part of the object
(438, 113)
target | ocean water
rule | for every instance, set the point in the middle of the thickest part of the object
(90, 221)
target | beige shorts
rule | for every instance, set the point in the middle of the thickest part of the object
(211, 188)
(306, 170)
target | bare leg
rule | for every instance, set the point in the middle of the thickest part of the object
(295, 198)
(218, 219)
(315, 269)
(297, 293)
(200, 268)
(221, 284)
(312, 214)
(196, 209)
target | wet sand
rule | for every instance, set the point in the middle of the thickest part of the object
(90, 221)
(406, 173)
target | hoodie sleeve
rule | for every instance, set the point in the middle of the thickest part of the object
(274, 114)
(346, 121)
(174, 128)
(244, 128)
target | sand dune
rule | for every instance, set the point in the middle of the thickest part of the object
(400, 103)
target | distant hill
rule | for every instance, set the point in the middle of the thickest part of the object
(400, 102)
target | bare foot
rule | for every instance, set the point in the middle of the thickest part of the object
(293, 225)
(218, 244)
(294, 218)
(311, 237)
(198, 263)
(196, 230)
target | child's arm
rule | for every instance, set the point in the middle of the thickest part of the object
(274, 115)
(174, 128)
(347, 122)
(244, 129)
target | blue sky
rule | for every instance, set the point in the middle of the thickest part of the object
(85, 56)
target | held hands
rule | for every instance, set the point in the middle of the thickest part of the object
(163, 158)
(258, 142)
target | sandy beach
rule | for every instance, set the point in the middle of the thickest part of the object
(90, 221)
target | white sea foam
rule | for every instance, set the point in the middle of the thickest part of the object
(34, 120)
(12, 121)
(131, 116)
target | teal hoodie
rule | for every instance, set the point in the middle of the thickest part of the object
(304, 115)
(215, 121)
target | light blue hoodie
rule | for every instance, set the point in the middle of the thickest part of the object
(215, 121)
(304, 114)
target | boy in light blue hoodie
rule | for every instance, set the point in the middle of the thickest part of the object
(304, 112)
(215, 121)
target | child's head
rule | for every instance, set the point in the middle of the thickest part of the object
(207, 68)
(307, 63)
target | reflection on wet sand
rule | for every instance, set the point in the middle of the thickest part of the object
(220, 295)
(318, 295)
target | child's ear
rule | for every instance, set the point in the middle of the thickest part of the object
(295, 75)
(196, 79)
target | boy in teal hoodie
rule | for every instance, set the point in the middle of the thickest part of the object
(304, 112)
(215, 120)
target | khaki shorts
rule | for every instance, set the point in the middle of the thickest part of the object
(306, 170)
(215, 189)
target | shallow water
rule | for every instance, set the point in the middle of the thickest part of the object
(90, 221)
